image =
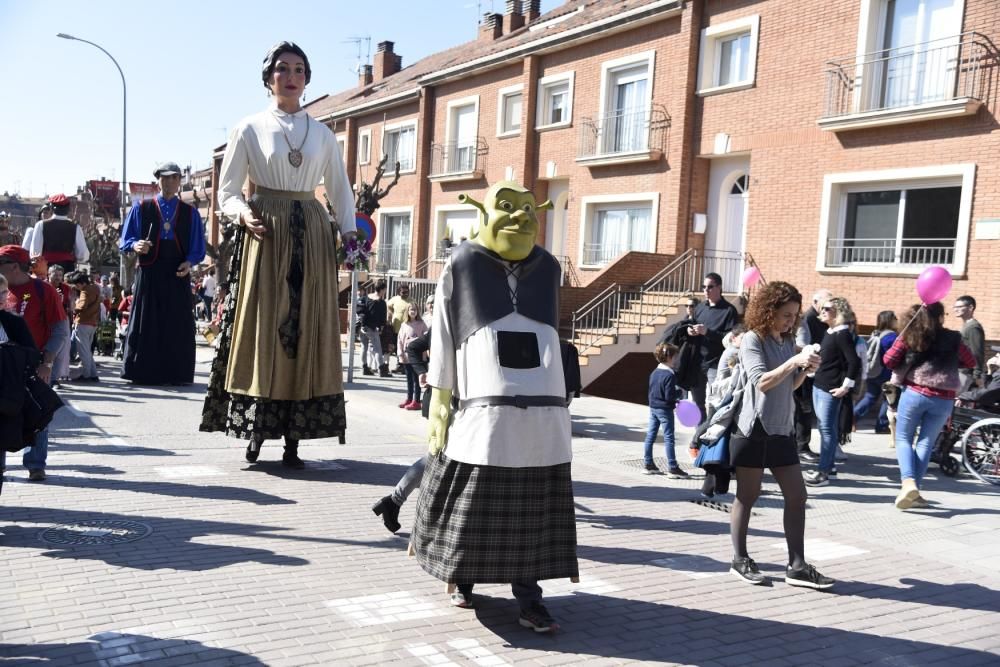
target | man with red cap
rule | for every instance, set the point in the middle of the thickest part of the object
(58, 239)
(41, 307)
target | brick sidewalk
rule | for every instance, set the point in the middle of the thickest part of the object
(154, 544)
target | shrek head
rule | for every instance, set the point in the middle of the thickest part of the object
(508, 225)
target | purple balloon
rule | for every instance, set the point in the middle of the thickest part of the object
(933, 284)
(688, 413)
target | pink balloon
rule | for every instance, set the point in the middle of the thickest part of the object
(688, 413)
(751, 276)
(933, 284)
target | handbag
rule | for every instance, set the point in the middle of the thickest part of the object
(40, 404)
(716, 453)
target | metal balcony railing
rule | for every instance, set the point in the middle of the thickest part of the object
(392, 257)
(882, 252)
(458, 157)
(625, 131)
(942, 70)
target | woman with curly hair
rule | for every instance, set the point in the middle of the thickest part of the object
(834, 380)
(765, 429)
(928, 357)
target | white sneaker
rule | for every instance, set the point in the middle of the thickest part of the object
(840, 456)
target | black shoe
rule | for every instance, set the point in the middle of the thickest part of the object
(292, 461)
(808, 455)
(461, 600)
(253, 450)
(383, 371)
(367, 371)
(832, 473)
(807, 577)
(746, 570)
(882, 431)
(651, 469)
(389, 511)
(677, 473)
(537, 618)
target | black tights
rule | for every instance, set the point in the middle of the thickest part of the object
(793, 489)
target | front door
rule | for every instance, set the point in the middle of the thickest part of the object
(725, 235)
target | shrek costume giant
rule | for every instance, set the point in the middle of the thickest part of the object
(496, 504)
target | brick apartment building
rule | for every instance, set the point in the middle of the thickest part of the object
(845, 143)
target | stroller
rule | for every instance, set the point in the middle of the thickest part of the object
(105, 337)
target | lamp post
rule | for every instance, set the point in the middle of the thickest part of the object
(121, 264)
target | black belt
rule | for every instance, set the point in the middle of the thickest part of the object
(516, 401)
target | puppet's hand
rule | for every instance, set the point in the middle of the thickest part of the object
(439, 416)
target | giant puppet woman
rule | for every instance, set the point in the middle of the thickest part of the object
(497, 498)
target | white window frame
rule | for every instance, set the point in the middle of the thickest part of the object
(393, 127)
(342, 147)
(612, 67)
(833, 210)
(872, 23)
(590, 204)
(449, 138)
(395, 210)
(502, 96)
(365, 141)
(544, 85)
(708, 63)
(439, 214)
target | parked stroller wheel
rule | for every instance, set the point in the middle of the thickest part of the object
(950, 466)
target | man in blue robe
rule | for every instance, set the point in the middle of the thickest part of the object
(169, 238)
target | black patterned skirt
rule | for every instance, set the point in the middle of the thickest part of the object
(240, 415)
(495, 525)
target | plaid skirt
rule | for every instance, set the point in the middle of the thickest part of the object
(495, 525)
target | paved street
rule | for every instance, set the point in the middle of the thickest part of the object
(154, 544)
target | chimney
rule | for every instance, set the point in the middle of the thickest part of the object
(387, 62)
(491, 27)
(534, 10)
(365, 76)
(513, 18)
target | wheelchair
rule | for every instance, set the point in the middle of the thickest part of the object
(105, 337)
(975, 427)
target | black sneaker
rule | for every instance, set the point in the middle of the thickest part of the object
(832, 473)
(677, 473)
(651, 469)
(816, 478)
(807, 577)
(808, 455)
(746, 569)
(537, 618)
(389, 511)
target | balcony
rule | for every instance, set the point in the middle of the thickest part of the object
(943, 78)
(623, 137)
(881, 253)
(458, 160)
(392, 257)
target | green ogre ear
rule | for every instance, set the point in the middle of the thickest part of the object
(544, 206)
(466, 199)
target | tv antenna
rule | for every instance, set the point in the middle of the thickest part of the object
(362, 50)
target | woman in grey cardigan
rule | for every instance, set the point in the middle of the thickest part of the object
(764, 437)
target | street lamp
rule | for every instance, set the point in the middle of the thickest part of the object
(121, 267)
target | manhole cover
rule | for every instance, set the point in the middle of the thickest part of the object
(89, 533)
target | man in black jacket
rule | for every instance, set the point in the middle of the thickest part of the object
(811, 330)
(371, 327)
(715, 318)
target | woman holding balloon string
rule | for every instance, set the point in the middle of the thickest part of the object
(926, 357)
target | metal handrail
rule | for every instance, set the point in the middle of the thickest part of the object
(939, 70)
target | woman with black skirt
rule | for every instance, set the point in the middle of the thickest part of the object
(764, 437)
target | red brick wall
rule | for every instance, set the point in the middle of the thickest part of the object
(776, 123)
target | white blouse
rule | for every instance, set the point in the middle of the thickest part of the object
(257, 148)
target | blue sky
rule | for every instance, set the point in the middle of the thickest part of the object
(192, 70)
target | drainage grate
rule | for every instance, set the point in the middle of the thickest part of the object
(98, 532)
(715, 505)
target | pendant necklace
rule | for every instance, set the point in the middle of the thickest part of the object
(294, 154)
(166, 223)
